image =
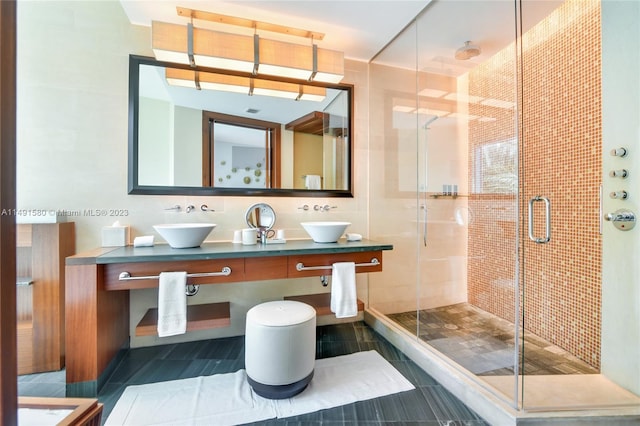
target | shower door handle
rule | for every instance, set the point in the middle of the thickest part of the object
(547, 210)
(424, 230)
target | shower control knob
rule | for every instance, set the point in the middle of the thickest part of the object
(619, 152)
(622, 173)
(622, 219)
(620, 195)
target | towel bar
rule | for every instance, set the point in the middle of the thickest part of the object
(300, 266)
(125, 276)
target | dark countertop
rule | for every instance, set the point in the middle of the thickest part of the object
(220, 250)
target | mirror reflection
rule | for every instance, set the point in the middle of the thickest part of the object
(214, 140)
(240, 156)
(260, 215)
(240, 152)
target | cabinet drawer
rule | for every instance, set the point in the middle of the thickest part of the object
(153, 269)
(265, 268)
(327, 260)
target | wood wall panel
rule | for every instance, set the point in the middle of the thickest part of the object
(25, 347)
(51, 244)
(8, 354)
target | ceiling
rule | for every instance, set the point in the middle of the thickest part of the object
(362, 28)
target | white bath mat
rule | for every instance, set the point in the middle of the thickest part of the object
(227, 399)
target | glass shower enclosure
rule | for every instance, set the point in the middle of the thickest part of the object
(496, 262)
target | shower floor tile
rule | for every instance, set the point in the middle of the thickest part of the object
(484, 344)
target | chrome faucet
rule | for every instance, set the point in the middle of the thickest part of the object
(324, 208)
(264, 234)
(190, 208)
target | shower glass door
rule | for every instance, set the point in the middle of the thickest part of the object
(468, 282)
(560, 179)
(444, 144)
(395, 215)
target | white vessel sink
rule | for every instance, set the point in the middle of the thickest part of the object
(184, 235)
(326, 231)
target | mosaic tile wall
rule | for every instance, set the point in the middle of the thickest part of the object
(560, 158)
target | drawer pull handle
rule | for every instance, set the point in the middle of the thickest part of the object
(300, 266)
(226, 271)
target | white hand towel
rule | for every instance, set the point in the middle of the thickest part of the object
(344, 302)
(143, 241)
(172, 304)
(313, 182)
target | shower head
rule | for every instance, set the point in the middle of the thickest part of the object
(467, 51)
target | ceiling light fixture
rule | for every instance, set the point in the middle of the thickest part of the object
(249, 86)
(215, 49)
(467, 51)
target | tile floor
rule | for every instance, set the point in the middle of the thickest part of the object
(428, 404)
(483, 343)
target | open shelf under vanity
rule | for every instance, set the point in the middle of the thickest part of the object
(321, 302)
(199, 317)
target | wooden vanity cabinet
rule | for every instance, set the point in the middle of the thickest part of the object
(40, 254)
(214, 315)
(97, 297)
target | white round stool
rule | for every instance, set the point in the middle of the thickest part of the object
(280, 348)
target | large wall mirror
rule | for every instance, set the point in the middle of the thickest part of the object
(208, 132)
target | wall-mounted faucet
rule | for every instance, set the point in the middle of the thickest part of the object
(176, 208)
(324, 208)
(190, 208)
